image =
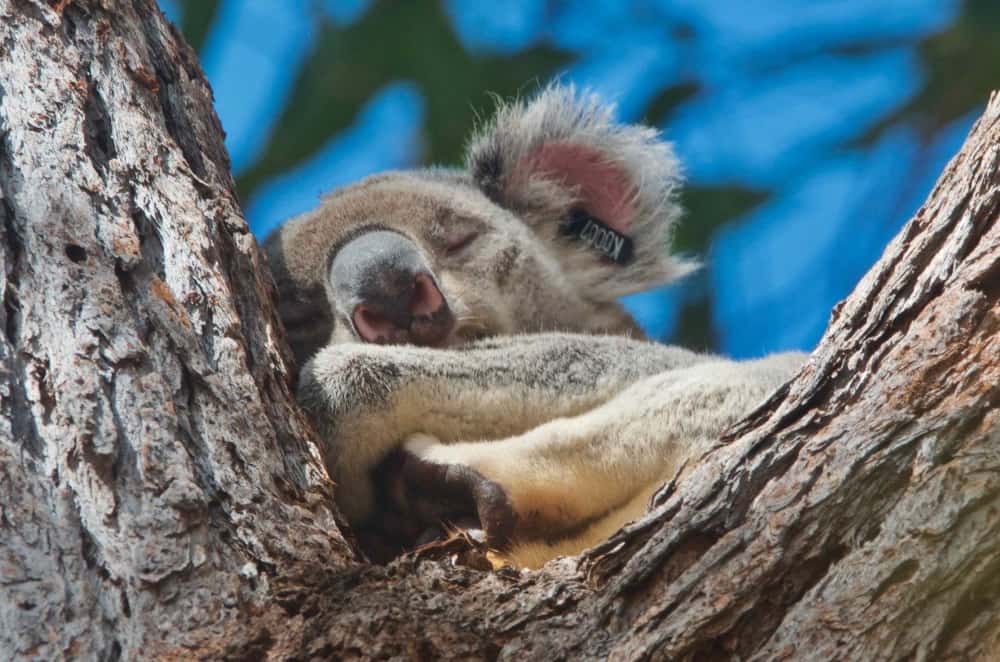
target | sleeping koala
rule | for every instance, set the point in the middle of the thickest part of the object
(464, 352)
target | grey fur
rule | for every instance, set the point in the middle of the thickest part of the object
(544, 361)
(382, 394)
(560, 114)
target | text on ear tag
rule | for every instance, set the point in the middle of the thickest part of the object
(592, 231)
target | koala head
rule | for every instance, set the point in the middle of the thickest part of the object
(558, 213)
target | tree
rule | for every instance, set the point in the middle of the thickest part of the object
(160, 492)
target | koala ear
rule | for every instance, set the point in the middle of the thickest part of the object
(604, 194)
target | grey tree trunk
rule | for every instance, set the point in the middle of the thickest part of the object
(161, 496)
(154, 470)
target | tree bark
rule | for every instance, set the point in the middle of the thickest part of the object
(154, 470)
(161, 495)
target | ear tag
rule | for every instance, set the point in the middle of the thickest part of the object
(594, 232)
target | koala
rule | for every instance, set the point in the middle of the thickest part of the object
(464, 353)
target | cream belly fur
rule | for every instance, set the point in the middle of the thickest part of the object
(534, 554)
(601, 467)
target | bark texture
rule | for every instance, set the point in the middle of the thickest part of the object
(160, 495)
(153, 466)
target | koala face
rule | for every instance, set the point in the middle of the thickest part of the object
(558, 213)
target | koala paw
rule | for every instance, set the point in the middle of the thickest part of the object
(438, 486)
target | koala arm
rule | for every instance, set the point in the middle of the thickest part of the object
(572, 470)
(366, 399)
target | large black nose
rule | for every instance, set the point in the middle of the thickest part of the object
(385, 286)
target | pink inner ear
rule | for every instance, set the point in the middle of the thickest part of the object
(604, 188)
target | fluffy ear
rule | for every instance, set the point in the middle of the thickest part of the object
(604, 194)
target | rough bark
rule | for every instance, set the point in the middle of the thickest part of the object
(153, 467)
(160, 494)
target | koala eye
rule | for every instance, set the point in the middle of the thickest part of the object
(457, 246)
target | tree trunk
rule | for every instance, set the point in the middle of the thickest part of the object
(154, 470)
(161, 495)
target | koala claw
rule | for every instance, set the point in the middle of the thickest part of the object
(459, 489)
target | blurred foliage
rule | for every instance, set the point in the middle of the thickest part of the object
(197, 18)
(413, 40)
(961, 65)
(668, 100)
(349, 65)
(713, 207)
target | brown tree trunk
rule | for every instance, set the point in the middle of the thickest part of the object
(160, 494)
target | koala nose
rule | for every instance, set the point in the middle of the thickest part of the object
(415, 313)
(382, 279)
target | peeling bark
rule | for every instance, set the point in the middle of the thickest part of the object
(160, 493)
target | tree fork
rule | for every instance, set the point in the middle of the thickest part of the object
(161, 495)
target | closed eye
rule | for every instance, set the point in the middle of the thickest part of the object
(460, 244)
